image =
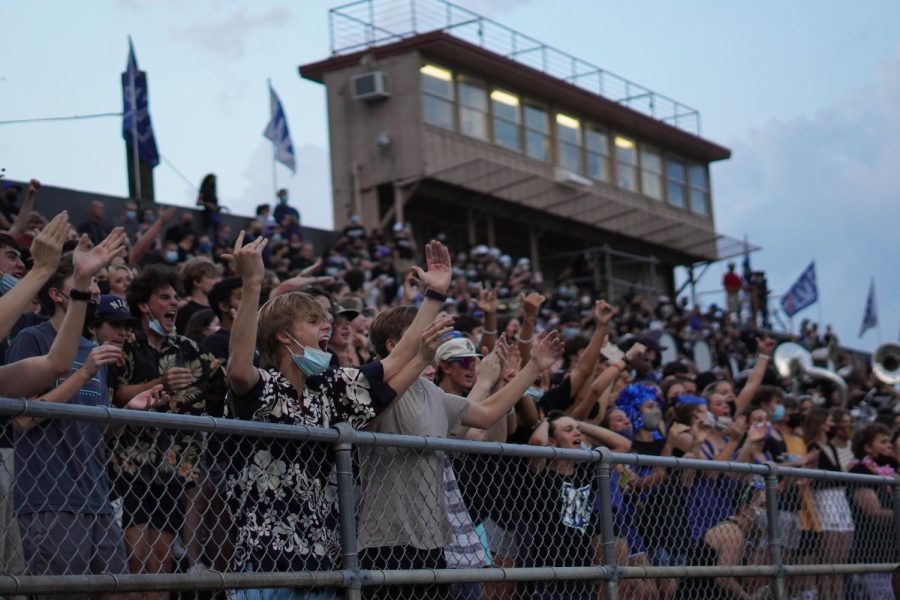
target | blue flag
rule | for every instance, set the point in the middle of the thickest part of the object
(136, 114)
(803, 293)
(870, 318)
(277, 131)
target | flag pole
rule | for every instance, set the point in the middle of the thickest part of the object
(274, 146)
(136, 158)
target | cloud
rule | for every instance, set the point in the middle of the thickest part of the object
(227, 36)
(309, 189)
(825, 187)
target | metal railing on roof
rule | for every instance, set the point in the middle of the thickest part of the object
(367, 23)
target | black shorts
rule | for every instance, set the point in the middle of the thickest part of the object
(157, 505)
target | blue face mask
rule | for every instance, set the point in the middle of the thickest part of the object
(570, 332)
(778, 413)
(205, 246)
(7, 282)
(131, 215)
(172, 256)
(156, 327)
(313, 361)
(535, 392)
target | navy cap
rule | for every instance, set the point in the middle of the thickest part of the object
(113, 309)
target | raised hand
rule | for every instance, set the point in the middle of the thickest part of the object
(487, 301)
(603, 313)
(87, 261)
(439, 273)
(531, 304)
(431, 337)
(148, 399)
(165, 215)
(634, 352)
(33, 186)
(46, 249)
(757, 433)
(737, 429)
(548, 349)
(106, 354)
(248, 261)
(491, 366)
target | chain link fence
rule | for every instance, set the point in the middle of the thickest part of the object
(109, 501)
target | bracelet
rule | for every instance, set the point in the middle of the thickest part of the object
(618, 365)
(434, 295)
(765, 356)
(486, 332)
(78, 295)
(526, 342)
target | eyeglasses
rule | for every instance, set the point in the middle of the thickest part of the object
(466, 362)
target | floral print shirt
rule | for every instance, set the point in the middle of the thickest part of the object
(165, 455)
(283, 493)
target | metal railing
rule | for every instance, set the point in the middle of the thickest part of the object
(349, 458)
(367, 23)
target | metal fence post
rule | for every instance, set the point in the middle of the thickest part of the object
(347, 506)
(606, 524)
(775, 542)
(897, 516)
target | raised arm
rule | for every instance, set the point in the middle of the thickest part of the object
(531, 305)
(603, 314)
(46, 250)
(248, 264)
(101, 355)
(605, 437)
(765, 346)
(547, 350)
(436, 280)
(487, 303)
(20, 224)
(144, 243)
(35, 374)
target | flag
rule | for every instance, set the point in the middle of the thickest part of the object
(803, 293)
(277, 131)
(136, 114)
(748, 272)
(870, 318)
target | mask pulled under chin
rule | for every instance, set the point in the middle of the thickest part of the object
(157, 328)
(312, 362)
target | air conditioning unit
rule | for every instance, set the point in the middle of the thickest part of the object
(371, 86)
(570, 178)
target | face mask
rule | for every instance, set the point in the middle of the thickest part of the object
(131, 215)
(778, 413)
(794, 420)
(759, 521)
(171, 256)
(710, 419)
(156, 327)
(535, 392)
(205, 247)
(7, 282)
(627, 432)
(276, 237)
(313, 361)
(150, 219)
(570, 332)
(652, 419)
(723, 423)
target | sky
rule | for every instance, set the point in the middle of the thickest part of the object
(805, 93)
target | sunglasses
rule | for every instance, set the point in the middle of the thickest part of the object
(466, 362)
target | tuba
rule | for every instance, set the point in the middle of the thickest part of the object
(794, 361)
(886, 363)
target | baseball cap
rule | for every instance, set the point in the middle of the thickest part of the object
(456, 348)
(113, 309)
(349, 308)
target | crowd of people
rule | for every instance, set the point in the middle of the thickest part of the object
(154, 311)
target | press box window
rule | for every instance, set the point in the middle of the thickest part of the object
(506, 119)
(676, 182)
(597, 145)
(699, 189)
(651, 172)
(537, 132)
(568, 133)
(437, 96)
(473, 109)
(626, 163)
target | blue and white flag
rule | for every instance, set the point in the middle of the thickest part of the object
(870, 318)
(803, 293)
(136, 114)
(277, 131)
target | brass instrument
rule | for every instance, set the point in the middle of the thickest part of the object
(886, 363)
(794, 361)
